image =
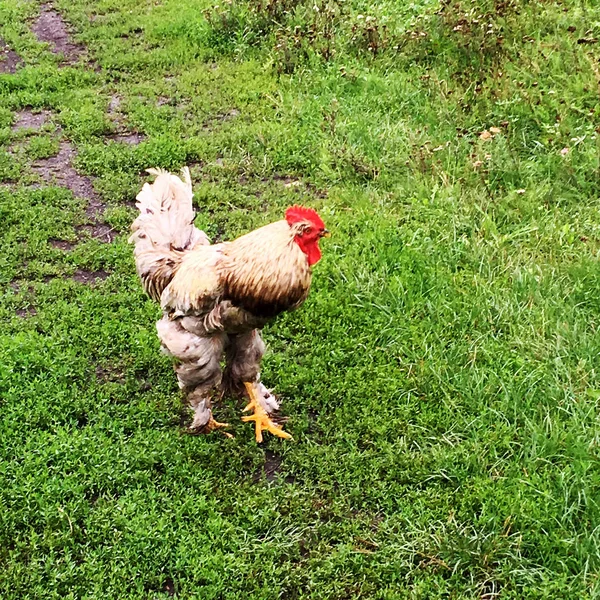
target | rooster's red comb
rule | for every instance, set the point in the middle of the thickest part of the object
(297, 214)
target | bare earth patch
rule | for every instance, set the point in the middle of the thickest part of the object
(272, 469)
(223, 117)
(61, 244)
(272, 465)
(11, 61)
(109, 373)
(114, 105)
(26, 119)
(130, 138)
(95, 206)
(99, 231)
(121, 135)
(114, 110)
(30, 311)
(60, 171)
(87, 277)
(313, 419)
(287, 180)
(51, 28)
(232, 114)
(169, 586)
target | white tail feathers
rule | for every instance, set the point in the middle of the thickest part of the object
(166, 212)
(164, 228)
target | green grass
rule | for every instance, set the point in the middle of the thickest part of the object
(442, 379)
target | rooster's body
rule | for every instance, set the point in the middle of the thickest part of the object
(216, 298)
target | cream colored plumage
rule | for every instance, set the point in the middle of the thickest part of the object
(215, 298)
(164, 229)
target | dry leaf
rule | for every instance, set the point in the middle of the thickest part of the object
(485, 135)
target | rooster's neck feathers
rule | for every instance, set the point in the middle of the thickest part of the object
(265, 271)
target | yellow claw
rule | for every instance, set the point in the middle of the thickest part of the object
(212, 425)
(260, 417)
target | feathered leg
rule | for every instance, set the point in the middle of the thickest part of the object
(244, 354)
(198, 370)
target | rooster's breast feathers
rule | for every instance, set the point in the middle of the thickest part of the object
(263, 272)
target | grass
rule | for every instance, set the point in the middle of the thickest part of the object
(442, 379)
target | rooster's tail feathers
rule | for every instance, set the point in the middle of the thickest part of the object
(164, 228)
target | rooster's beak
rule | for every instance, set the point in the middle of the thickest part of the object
(325, 233)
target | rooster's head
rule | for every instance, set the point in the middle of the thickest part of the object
(308, 229)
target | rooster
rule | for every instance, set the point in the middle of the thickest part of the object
(216, 298)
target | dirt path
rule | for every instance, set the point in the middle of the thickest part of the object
(11, 61)
(50, 27)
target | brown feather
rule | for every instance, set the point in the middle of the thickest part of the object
(265, 272)
(262, 273)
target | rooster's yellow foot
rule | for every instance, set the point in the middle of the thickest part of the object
(260, 417)
(212, 425)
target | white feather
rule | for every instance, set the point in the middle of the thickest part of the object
(165, 224)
